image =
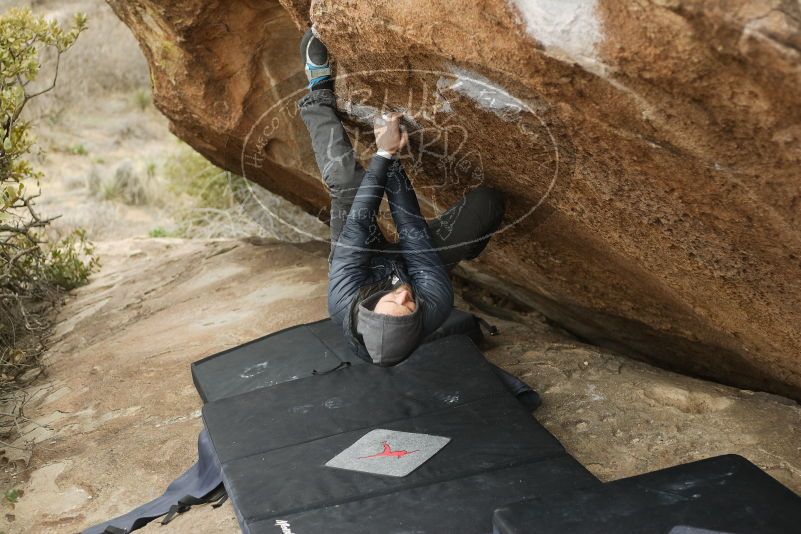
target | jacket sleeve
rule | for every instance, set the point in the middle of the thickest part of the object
(350, 263)
(432, 286)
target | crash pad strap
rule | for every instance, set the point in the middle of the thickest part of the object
(335, 368)
(217, 497)
(202, 481)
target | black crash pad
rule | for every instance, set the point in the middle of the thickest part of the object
(447, 373)
(272, 359)
(462, 505)
(488, 434)
(722, 494)
(294, 353)
(273, 442)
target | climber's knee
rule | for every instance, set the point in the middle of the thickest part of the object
(342, 178)
(488, 204)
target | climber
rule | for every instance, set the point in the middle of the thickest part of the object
(388, 297)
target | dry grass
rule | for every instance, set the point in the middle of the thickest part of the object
(212, 203)
(104, 89)
(130, 183)
(105, 60)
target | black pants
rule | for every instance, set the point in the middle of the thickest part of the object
(461, 233)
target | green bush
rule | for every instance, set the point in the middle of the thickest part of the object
(207, 203)
(158, 232)
(33, 270)
(78, 150)
(189, 173)
(70, 261)
(141, 99)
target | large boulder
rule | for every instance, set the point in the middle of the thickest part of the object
(649, 151)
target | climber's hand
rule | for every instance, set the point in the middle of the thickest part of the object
(389, 134)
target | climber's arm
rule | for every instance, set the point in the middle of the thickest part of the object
(351, 257)
(432, 287)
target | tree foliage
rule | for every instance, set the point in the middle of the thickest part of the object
(33, 270)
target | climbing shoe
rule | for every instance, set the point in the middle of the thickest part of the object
(316, 63)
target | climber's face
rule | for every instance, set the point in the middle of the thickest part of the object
(398, 302)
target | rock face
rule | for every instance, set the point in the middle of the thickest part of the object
(649, 151)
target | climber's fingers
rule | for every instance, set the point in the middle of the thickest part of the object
(388, 133)
(387, 119)
(404, 139)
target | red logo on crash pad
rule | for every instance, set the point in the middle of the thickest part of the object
(388, 452)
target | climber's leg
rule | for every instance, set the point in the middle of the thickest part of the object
(333, 151)
(462, 232)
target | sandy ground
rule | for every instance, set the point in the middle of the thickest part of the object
(114, 133)
(117, 417)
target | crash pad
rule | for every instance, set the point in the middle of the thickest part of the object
(318, 347)
(462, 505)
(272, 359)
(274, 442)
(725, 494)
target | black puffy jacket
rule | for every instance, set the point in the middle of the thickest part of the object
(356, 265)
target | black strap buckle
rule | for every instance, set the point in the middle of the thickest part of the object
(491, 328)
(216, 497)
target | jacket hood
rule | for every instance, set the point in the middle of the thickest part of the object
(388, 339)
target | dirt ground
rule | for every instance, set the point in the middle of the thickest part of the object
(117, 417)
